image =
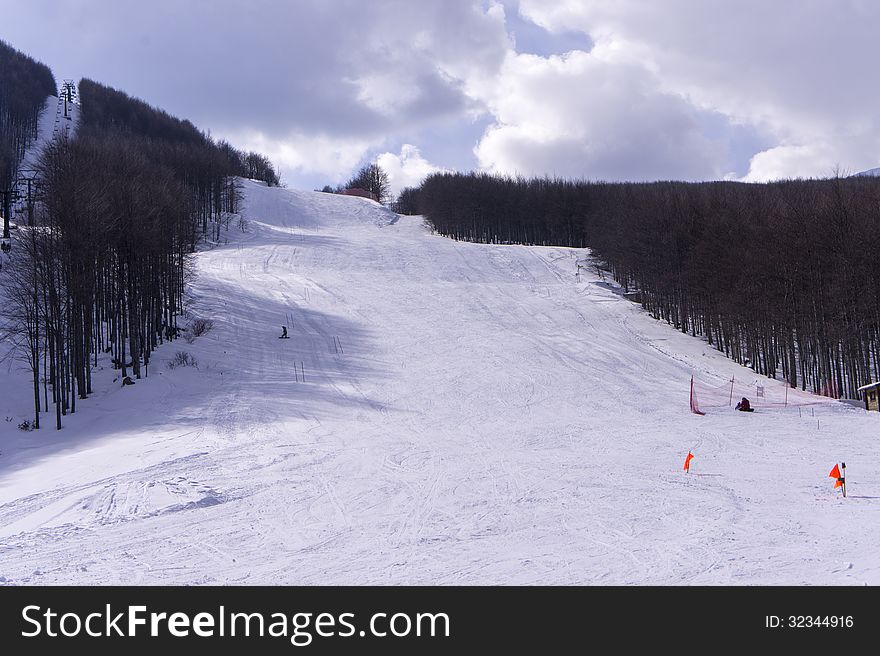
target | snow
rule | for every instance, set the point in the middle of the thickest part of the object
(470, 414)
(868, 173)
(51, 125)
(48, 127)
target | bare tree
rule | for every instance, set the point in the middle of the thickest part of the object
(373, 179)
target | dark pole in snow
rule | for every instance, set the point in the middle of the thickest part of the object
(6, 209)
(30, 203)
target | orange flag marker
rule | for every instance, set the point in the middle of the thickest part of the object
(687, 462)
(838, 479)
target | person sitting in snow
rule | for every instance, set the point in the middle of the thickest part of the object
(744, 405)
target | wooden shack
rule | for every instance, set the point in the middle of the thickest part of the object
(871, 392)
(363, 193)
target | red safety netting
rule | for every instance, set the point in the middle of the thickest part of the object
(762, 394)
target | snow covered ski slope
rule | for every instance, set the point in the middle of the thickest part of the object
(443, 412)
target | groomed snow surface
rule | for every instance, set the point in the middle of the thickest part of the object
(470, 414)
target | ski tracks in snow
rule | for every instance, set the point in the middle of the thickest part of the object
(490, 418)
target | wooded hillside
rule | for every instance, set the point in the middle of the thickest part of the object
(782, 277)
(24, 86)
(119, 208)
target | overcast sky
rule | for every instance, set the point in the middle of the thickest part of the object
(622, 90)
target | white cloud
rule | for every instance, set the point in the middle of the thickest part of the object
(798, 69)
(314, 154)
(577, 115)
(320, 86)
(298, 77)
(406, 169)
(815, 160)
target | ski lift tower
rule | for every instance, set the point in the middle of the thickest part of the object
(6, 208)
(68, 94)
(26, 187)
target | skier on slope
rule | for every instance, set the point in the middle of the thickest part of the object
(283, 332)
(744, 405)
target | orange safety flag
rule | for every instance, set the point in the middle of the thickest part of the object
(687, 461)
(835, 474)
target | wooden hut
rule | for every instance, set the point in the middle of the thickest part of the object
(871, 392)
(363, 193)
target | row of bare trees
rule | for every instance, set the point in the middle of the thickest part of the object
(104, 269)
(206, 168)
(782, 277)
(120, 209)
(407, 201)
(25, 84)
(502, 210)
